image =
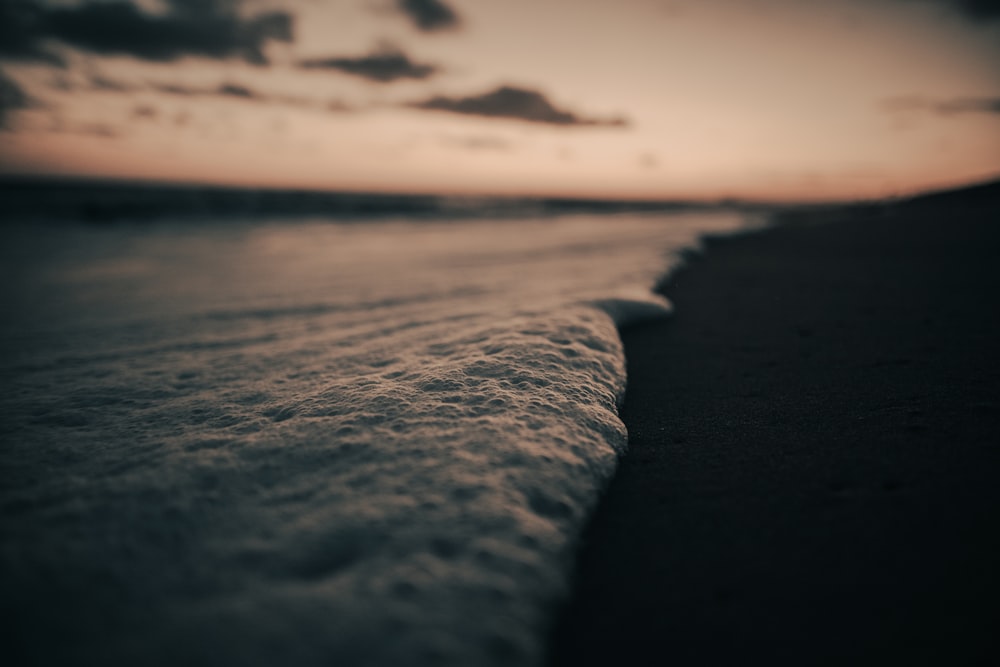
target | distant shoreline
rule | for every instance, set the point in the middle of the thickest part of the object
(112, 201)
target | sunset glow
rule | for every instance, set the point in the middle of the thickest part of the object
(633, 98)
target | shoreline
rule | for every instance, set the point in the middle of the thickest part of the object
(811, 475)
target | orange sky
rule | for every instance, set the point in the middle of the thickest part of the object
(788, 99)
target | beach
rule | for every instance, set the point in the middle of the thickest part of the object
(457, 333)
(812, 472)
(377, 440)
(358, 441)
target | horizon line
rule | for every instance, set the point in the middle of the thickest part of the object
(12, 178)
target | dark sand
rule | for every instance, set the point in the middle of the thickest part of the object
(814, 473)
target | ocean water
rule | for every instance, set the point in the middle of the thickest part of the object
(311, 441)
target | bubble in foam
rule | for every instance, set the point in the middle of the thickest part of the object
(346, 451)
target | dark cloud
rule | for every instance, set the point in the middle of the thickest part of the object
(979, 10)
(222, 90)
(236, 90)
(945, 107)
(339, 106)
(241, 92)
(62, 83)
(385, 65)
(429, 15)
(201, 28)
(103, 83)
(970, 105)
(98, 82)
(514, 103)
(94, 80)
(22, 31)
(974, 10)
(179, 89)
(12, 98)
(145, 112)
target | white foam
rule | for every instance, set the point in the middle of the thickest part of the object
(312, 443)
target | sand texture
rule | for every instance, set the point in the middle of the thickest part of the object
(813, 473)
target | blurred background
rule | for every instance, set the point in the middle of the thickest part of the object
(788, 100)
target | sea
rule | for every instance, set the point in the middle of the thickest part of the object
(243, 427)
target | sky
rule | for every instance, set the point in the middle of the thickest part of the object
(634, 99)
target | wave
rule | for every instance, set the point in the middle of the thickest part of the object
(315, 443)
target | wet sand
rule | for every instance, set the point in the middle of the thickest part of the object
(815, 449)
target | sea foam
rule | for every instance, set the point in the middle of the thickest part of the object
(312, 443)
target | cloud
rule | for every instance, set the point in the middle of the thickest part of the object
(514, 103)
(62, 83)
(100, 130)
(97, 129)
(22, 29)
(12, 98)
(241, 92)
(235, 90)
(974, 10)
(429, 15)
(201, 28)
(978, 10)
(339, 106)
(477, 142)
(384, 65)
(180, 89)
(145, 112)
(945, 107)
(98, 82)
(103, 83)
